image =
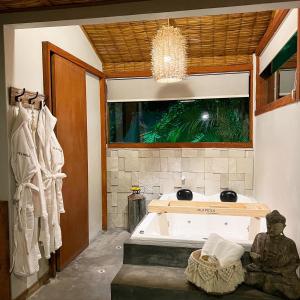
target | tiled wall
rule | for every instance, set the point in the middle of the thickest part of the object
(207, 171)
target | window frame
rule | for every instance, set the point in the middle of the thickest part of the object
(262, 103)
(192, 70)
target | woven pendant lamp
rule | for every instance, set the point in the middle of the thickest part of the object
(169, 55)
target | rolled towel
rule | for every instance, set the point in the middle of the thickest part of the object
(211, 244)
(227, 252)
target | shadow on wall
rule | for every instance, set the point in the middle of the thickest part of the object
(173, 90)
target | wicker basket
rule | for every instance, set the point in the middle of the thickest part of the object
(211, 277)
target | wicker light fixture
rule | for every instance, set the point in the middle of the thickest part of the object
(169, 55)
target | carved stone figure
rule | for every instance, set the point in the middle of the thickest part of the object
(274, 260)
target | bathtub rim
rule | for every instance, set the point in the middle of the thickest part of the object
(157, 239)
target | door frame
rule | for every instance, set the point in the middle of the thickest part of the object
(48, 49)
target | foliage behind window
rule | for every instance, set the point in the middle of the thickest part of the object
(209, 120)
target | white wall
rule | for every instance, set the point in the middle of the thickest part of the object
(94, 155)
(23, 64)
(27, 67)
(277, 164)
(277, 156)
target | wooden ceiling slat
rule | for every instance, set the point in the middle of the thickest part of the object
(211, 40)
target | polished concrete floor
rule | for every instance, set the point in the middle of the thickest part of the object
(89, 276)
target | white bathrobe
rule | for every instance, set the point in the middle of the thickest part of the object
(29, 197)
(51, 159)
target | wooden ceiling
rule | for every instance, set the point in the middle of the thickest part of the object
(25, 5)
(212, 40)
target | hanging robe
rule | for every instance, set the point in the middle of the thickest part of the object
(29, 200)
(51, 159)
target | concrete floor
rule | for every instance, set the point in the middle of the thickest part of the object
(89, 276)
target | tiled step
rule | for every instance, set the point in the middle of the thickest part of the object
(137, 282)
(167, 253)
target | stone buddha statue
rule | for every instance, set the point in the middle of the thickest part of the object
(275, 260)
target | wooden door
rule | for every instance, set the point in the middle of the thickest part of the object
(69, 106)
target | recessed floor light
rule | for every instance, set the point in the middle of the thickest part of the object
(101, 271)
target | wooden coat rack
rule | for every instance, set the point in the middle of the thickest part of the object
(26, 97)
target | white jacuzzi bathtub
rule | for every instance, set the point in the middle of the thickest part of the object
(196, 228)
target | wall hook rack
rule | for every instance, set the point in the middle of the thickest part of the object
(27, 98)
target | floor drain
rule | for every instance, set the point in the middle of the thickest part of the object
(101, 271)
(118, 247)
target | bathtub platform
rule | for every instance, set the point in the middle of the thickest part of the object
(153, 270)
(136, 282)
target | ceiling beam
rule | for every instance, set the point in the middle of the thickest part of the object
(190, 71)
(142, 9)
(274, 25)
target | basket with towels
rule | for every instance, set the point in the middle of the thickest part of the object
(217, 268)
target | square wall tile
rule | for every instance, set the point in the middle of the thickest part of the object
(149, 164)
(220, 165)
(244, 165)
(192, 164)
(174, 164)
(131, 164)
(189, 152)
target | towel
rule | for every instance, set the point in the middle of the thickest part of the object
(227, 252)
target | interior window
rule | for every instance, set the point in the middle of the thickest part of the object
(286, 77)
(175, 121)
(279, 76)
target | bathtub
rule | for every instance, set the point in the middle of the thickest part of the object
(196, 228)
